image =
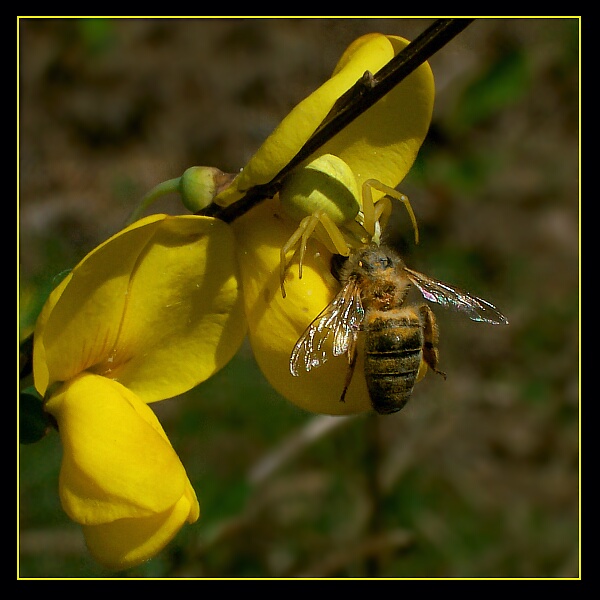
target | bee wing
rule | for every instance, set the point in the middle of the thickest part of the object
(442, 293)
(341, 319)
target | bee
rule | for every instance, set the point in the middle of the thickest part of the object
(397, 336)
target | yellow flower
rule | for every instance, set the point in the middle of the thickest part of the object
(158, 308)
(145, 316)
(381, 144)
(120, 478)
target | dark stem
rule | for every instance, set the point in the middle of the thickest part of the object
(360, 97)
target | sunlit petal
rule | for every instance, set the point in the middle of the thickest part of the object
(117, 461)
(157, 307)
(184, 318)
(80, 322)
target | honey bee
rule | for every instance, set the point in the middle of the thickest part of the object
(397, 336)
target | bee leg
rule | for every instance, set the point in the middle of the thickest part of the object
(430, 339)
(352, 355)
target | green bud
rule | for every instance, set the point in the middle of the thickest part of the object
(199, 185)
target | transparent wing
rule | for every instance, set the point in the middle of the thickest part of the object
(451, 297)
(340, 320)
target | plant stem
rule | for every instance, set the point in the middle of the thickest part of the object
(166, 187)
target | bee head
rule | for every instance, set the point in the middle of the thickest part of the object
(370, 262)
(376, 259)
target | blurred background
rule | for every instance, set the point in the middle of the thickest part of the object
(479, 475)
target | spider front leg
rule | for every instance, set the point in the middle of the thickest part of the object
(299, 240)
(377, 213)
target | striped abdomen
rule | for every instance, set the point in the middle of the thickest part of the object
(393, 351)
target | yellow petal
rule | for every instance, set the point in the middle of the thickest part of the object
(275, 323)
(382, 143)
(40, 364)
(80, 321)
(117, 461)
(184, 318)
(156, 307)
(126, 543)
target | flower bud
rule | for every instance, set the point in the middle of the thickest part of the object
(199, 185)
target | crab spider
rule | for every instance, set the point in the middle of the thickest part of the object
(324, 198)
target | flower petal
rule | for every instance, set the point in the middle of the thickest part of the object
(184, 318)
(382, 143)
(117, 461)
(157, 307)
(79, 323)
(275, 323)
(40, 364)
(126, 543)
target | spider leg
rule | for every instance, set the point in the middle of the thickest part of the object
(388, 191)
(311, 223)
(292, 243)
(368, 208)
(383, 211)
(330, 235)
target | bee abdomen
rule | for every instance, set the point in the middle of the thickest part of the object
(393, 351)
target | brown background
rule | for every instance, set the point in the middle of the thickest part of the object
(478, 475)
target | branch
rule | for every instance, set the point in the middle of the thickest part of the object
(359, 98)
